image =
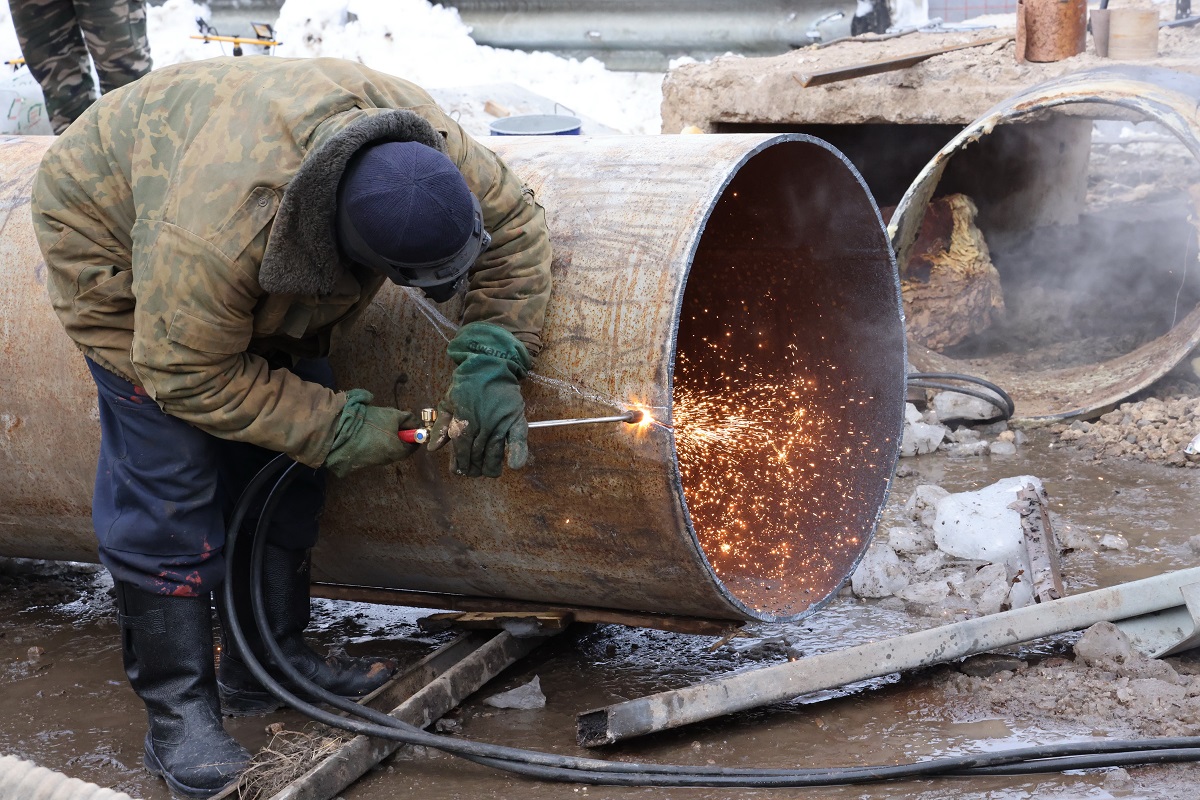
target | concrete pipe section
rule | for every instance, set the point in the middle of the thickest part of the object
(1047, 393)
(739, 289)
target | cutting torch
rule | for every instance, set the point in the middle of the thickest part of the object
(429, 416)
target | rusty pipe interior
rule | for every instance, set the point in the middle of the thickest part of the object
(738, 289)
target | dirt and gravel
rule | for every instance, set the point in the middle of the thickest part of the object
(1161, 426)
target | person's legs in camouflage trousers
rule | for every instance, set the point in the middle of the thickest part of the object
(115, 32)
(52, 35)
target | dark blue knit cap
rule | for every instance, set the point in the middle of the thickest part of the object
(407, 202)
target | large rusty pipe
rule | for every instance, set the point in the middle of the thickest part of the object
(752, 269)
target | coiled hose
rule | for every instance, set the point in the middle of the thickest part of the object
(550, 766)
(25, 780)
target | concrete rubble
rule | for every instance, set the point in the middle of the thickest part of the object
(924, 432)
(1108, 686)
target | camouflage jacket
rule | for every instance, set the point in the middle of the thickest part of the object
(187, 225)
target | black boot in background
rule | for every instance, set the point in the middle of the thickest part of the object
(285, 594)
(167, 646)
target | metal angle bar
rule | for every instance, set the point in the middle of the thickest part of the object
(829, 670)
(1165, 633)
(356, 757)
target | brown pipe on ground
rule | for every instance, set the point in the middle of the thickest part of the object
(739, 288)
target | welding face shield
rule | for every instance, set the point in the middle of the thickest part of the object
(405, 211)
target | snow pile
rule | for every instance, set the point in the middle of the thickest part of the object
(430, 46)
(9, 48)
(426, 44)
(169, 28)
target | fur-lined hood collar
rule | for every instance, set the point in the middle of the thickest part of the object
(302, 256)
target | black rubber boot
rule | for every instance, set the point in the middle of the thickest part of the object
(285, 593)
(167, 645)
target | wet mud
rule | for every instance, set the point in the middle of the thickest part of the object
(64, 701)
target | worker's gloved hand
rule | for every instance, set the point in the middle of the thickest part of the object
(368, 436)
(483, 411)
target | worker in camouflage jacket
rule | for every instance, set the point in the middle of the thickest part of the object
(60, 37)
(206, 229)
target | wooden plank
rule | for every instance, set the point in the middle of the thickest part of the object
(359, 755)
(457, 602)
(887, 64)
(518, 623)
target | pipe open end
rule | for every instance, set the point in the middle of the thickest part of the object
(789, 378)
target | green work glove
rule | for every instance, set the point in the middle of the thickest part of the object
(368, 436)
(483, 411)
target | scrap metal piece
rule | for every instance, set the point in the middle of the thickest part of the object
(1164, 633)
(1040, 544)
(782, 682)
(1166, 97)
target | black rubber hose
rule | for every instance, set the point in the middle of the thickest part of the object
(594, 771)
(932, 380)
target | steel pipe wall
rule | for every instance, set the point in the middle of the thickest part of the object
(767, 251)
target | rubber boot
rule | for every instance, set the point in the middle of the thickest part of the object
(167, 645)
(286, 596)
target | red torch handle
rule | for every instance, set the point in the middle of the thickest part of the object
(414, 435)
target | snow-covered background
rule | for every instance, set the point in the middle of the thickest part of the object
(416, 40)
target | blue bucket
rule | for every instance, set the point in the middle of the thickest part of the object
(537, 125)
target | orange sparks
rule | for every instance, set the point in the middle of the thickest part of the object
(761, 457)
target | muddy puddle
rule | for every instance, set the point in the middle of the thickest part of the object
(64, 701)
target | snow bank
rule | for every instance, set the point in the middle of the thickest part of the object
(9, 48)
(431, 46)
(426, 44)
